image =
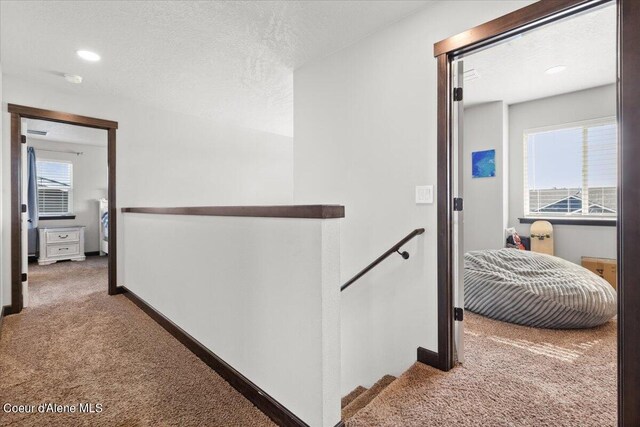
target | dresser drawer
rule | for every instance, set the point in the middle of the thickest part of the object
(62, 236)
(64, 250)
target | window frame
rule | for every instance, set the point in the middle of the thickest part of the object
(70, 214)
(528, 217)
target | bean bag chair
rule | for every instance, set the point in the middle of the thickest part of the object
(534, 289)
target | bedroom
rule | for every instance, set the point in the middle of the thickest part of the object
(65, 183)
(538, 127)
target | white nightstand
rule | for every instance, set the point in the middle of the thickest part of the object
(62, 243)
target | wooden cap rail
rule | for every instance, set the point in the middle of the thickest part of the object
(284, 211)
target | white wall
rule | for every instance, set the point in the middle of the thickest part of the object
(90, 183)
(365, 136)
(163, 158)
(485, 199)
(261, 293)
(571, 241)
(2, 229)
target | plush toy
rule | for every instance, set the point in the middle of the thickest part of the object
(518, 242)
(514, 240)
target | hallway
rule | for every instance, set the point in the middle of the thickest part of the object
(75, 344)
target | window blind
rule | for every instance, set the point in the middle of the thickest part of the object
(55, 187)
(572, 170)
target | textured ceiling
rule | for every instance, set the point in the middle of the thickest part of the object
(61, 132)
(227, 61)
(515, 71)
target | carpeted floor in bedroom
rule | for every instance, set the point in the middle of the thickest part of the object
(76, 344)
(512, 376)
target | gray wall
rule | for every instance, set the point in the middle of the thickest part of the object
(485, 199)
(571, 241)
(90, 182)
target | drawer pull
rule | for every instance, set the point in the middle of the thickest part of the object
(63, 237)
(63, 249)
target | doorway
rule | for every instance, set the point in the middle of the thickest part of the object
(20, 115)
(628, 200)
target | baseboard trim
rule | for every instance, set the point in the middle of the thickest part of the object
(265, 403)
(120, 290)
(4, 311)
(7, 310)
(429, 357)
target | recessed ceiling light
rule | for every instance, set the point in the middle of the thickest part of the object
(72, 78)
(87, 55)
(555, 70)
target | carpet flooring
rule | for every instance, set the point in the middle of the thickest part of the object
(512, 376)
(346, 400)
(75, 344)
(364, 398)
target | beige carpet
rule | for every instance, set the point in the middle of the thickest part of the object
(75, 344)
(512, 376)
(64, 282)
(346, 400)
(366, 397)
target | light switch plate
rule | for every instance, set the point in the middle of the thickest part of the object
(424, 194)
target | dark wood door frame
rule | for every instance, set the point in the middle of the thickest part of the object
(491, 32)
(18, 112)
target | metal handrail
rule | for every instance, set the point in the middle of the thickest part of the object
(394, 248)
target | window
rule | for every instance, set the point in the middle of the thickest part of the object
(572, 170)
(55, 188)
